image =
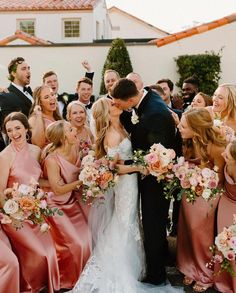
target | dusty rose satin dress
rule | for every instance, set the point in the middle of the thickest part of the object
(9, 267)
(195, 236)
(70, 231)
(35, 250)
(227, 207)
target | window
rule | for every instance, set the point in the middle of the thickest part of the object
(27, 26)
(71, 28)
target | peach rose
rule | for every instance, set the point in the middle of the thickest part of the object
(27, 203)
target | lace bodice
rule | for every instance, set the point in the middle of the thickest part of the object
(124, 149)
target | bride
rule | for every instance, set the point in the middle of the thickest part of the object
(117, 261)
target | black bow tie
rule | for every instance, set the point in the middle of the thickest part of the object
(89, 106)
(27, 89)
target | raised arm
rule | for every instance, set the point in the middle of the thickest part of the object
(37, 128)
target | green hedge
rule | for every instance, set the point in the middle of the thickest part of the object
(117, 59)
(205, 66)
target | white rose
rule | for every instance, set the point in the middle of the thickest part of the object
(44, 227)
(217, 123)
(11, 207)
(206, 194)
(25, 189)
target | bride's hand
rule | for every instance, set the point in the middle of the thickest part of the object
(143, 170)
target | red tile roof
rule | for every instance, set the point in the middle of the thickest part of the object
(32, 40)
(32, 5)
(194, 30)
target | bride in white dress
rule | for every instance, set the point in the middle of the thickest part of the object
(117, 262)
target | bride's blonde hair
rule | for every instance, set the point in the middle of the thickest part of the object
(200, 121)
(100, 110)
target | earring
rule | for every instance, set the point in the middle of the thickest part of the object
(27, 136)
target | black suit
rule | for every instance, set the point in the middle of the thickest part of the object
(155, 125)
(66, 98)
(13, 101)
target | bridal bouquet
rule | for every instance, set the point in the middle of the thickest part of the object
(193, 181)
(97, 175)
(158, 160)
(224, 250)
(26, 202)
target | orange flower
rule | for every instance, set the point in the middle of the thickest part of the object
(27, 204)
(198, 190)
(107, 176)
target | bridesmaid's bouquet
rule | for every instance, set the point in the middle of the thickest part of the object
(84, 147)
(224, 250)
(97, 175)
(26, 203)
(158, 160)
(192, 181)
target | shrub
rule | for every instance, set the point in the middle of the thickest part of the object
(117, 59)
(205, 66)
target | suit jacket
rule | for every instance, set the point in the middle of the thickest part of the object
(155, 125)
(15, 100)
(66, 98)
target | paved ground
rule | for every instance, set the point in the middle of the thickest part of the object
(174, 275)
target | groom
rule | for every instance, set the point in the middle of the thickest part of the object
(153, 124)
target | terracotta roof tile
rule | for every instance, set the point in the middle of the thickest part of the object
(30, 5)
(194, 30)
(32, 40)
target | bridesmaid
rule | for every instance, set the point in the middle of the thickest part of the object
(77, 116)
(204, 146)
(227, 207)
(34, 249)
(44, 111)
(224, 105)
(70, 232)
(9, 267)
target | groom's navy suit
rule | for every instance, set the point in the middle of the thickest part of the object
(155, 125)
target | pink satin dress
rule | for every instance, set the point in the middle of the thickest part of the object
(9, 267)
(195, 236)
(227, 207)
(70, 231)
(35, 250)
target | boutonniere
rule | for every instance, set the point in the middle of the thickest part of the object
(65, 98)
(134, 117)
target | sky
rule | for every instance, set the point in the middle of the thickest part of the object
(176, 15)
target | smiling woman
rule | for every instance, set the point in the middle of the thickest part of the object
(44, 111)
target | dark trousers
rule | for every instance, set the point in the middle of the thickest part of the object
(154, 219)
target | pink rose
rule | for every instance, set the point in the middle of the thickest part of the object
(230, 255)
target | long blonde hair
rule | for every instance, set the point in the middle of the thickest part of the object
(100, 110)
(231, 104)
(55, 134)
(37, 101)
(200, 121)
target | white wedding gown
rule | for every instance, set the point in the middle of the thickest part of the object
(117, 261)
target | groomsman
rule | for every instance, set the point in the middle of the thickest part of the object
(19, 95)
(50, 79)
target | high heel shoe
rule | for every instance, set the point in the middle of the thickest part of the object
(187, 281)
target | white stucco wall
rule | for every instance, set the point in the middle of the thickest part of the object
(130, 27)
(100, 15)
(49, 25)
(151, 62)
